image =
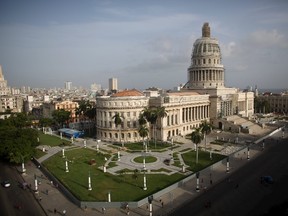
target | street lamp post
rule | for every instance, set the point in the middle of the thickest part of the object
(150, 199)
(36, 183)
(89, 182)
(66, 165)
(109, 196)
(197, 182)
(227, 165)
(118, 155)
(145, 185)
(85, 143)
(144, 163)
(23, 167)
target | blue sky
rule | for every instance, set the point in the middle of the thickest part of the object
(44, 43)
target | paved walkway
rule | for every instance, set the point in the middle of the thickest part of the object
(51, 199)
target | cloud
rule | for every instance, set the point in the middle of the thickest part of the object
(228, 49)
(268, 38)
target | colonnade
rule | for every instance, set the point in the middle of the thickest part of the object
(195, 113)
(207, 75)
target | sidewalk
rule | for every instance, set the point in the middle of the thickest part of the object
(51, 198)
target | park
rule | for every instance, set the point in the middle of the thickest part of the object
(108, 172)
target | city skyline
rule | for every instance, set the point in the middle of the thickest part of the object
(142, 44)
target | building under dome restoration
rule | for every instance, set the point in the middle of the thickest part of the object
(203, 97)
(206, 76)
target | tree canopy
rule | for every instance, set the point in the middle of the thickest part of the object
(61, 116)
(18, 140)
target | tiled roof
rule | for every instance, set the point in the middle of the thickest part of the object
(128, 93)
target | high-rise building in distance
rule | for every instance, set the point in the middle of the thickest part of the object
(113, 84)
(68, 85)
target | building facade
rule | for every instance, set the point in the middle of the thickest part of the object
(278, 103)
(129, 104)
(203, 97)
(113, 84)
(4, 89)
(206, 75)
(67, 105)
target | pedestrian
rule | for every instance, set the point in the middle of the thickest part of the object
(103, 210)
(55, 210)
(162, 204)
(40, 198)
(64, 212)
(211, 182)
(47, 191)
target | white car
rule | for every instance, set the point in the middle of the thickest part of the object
(6, 183)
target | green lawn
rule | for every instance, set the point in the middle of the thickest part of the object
(50, 140)
(148, 159)
(203, 159)
(139, 146)
(126, 187)
(39, 153)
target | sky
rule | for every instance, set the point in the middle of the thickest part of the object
(44, 43)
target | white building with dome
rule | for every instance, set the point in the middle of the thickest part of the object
(206, 75)
(203, 97)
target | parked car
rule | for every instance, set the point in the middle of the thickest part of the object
(6, 183)
(266, 179)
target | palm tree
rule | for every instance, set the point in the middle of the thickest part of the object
(206, 128)
(142, 120)
(196, 138)
(118, 121)
(143, 132)
(161, 113)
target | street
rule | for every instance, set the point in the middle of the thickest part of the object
(241, 193)
(15, 200)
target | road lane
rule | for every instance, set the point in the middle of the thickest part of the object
(251, 197)
(14, 196)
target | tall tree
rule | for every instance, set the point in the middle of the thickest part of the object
(45, 122)
(84, 106)
(18, 142)
(196, 138)
(151, 116)
(206, 129)
(161, 113)
(143, 132)
(118, 121)
(61, 116)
